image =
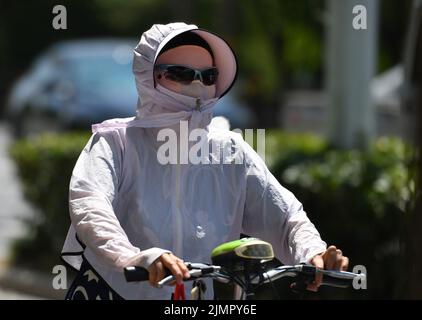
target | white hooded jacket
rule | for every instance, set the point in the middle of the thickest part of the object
(127, 208)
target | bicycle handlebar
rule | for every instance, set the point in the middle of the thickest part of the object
(133, 274)
(333, 278)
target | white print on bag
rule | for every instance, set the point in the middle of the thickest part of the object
(60, 20)
(359, 21)
(194, 148)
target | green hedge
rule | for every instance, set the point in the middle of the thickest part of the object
(45, 165)
(356, 199)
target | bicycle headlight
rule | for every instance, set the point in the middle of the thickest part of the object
(255, 249)
(243, 249)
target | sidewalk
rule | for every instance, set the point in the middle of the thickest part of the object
(13, 295)
(13, 210)
(29, 283)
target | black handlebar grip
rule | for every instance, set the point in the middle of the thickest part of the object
(133, 274)
(338, 279)
(336, 282)
(136, 274)
(330, 278)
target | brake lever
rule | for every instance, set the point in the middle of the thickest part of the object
(332, 278)
(194, 273)
(167, 280)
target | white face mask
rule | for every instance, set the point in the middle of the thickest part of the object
(195, 89)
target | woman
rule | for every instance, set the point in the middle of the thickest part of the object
(134, 203)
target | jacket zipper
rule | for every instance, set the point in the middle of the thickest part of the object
(178, 224)
(178, 220)
(198, 104)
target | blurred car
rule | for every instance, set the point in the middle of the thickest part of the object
(74, 84)
(238, 114)
(77, 83)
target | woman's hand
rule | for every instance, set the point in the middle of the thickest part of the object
(176, 266)
(332, 259)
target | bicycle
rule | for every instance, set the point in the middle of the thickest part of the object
(245, 263)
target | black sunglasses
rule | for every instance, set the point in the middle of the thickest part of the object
(186, 75)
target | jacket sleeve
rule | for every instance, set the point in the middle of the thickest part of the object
(92, 197)
(273, 214)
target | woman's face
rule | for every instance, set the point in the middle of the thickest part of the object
(191, 56)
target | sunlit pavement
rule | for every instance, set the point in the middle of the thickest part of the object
(13, 209)
(13, 295)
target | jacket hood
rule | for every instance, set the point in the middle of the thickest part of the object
(161, 107)
(153, 41)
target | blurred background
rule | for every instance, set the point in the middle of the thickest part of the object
(340, 98)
